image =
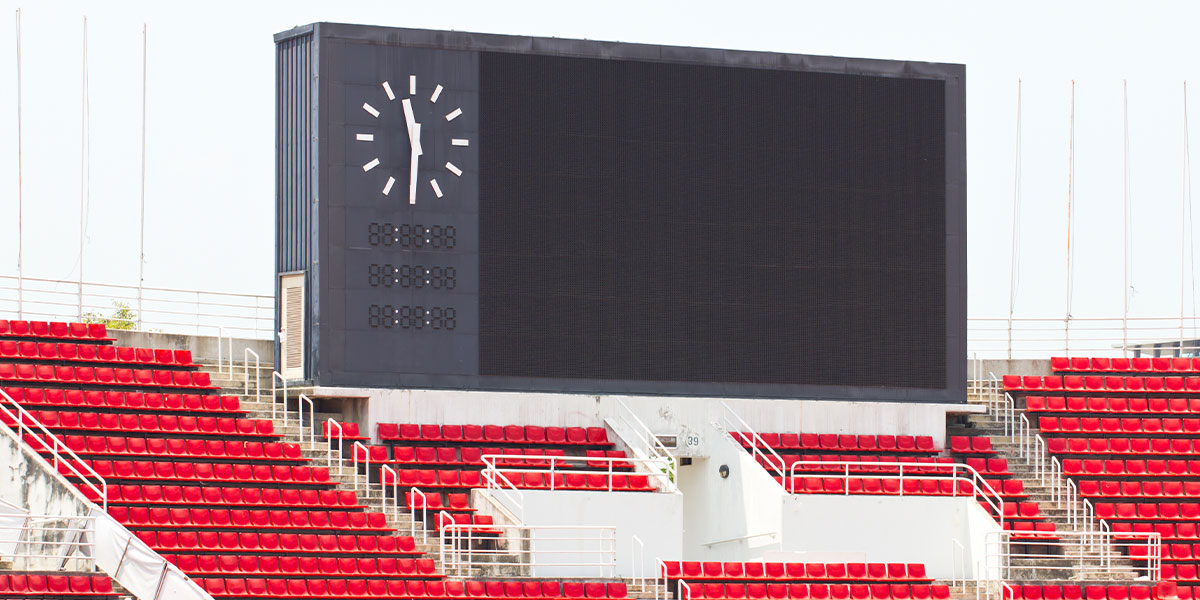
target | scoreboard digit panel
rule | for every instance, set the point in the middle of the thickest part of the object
(529, 214)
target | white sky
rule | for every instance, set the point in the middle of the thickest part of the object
(211, 126)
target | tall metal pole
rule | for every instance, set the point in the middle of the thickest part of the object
(1012, 265)
(83, 174)
(1070, 202)
(142, 244)
(20, 187)
(1125, 219)
(1183, 200)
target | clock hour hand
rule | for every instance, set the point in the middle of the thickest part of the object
(415, 158)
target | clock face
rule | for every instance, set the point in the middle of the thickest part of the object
(421, 127)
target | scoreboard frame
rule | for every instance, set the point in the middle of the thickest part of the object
(313, 61)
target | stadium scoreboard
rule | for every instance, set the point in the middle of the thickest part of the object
(471, 211)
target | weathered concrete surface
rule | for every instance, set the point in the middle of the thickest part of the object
(204, 348)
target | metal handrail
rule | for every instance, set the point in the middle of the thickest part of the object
(383, 486)
(23, 418)
(329, 456)
(923, 471)
(412, 525)
(1076, 548)
(276, 375)
(221, 367)
(300, 402)
(366, 453)
(246, 353)
(555, 465)
(499, 482)
(747, 437)
(459, 552)
(66, 540)
(654, 447)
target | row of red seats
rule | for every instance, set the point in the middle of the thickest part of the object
(1031, 530)
(349, 431)
(95, 353)
(790, 459)
(1184, 530)
(1134, 489)
(887, 487)
(136, 446)
(232, 496)
(1138, 445)
(251, 542)
(433, 502)
(1114, 425)
(427, 478)
(471, 455)
(833, 441)
(30, 397)
(53, 329)
(139, 516)
(814, 591)
(105, 376)
(468, 523)
(778, 571)
(413, 589)
(1101, 383)
(1157, 364)
(149, 423)
(1181, 572)
(1185, 511)
(1104, 404)
(1171, 552)
(1133, 468)
(511, 434)
(1075, 592)
(215, 472)
(989, 466)
(65, 585)
(979, 444)
(325, 566)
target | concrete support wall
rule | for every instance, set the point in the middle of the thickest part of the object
(686, 417)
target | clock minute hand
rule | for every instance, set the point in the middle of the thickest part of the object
(415, 158)
(409, 119)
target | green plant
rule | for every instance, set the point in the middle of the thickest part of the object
(122, 318)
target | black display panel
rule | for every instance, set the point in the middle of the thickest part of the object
(619, 218)
(700, 223)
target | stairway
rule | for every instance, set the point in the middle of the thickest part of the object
(342, 472)
(1050, 569)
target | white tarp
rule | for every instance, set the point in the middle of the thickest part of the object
(136, 567)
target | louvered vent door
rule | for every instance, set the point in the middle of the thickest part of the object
(291, 336)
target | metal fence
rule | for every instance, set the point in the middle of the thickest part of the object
(168, 310)
(1032, 337)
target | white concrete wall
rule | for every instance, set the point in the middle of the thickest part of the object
(655, 518)
(662, 414)
(889, 528)
(733, 518)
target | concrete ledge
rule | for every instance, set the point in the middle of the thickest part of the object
(203, 348)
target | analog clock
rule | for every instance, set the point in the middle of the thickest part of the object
(417, 124)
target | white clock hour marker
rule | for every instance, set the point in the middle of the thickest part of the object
(371, 109)
(387, 187)
(437, 91)
(454, 115)
(387, 87)
(412, 85)
(371, 165)
(458, 142)
(437, 190)
(365, 137)
(453, 169)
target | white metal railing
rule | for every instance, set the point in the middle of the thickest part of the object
(300, 402)
(965, 481)
(414, 493)
(1034, 337)
(1032, 447)
(366, 460)
(277, 376)
(29, 429)
(496, 482)
(1084, 554)
(331, 426)
(35, 542)
(748, 438)
(222, 353)
(170, 310)
(583, 550)
(550, 466)
(637, 554)
(246, 354)
(394, 482)
(958, 565)
(651, 446)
